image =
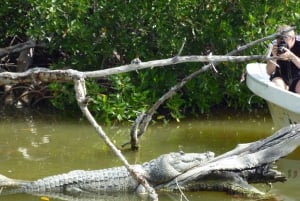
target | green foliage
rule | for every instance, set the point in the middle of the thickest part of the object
(13, 22)
(101, 34)
(116, 101)
(64, 97)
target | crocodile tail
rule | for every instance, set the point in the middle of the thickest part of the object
(8, 183)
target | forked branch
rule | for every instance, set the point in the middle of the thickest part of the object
(142, 121)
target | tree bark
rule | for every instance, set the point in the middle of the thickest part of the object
(24, 60)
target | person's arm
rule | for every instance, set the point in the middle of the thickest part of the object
(294, 58)
(271, 65)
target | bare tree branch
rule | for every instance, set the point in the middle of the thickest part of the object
(82, 101)
(45, 75)
(142, 121)
(18, 48)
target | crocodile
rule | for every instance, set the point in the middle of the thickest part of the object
(116, 179)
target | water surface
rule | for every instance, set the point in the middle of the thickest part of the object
(33, 147)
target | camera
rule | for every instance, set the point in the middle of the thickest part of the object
(281, 45)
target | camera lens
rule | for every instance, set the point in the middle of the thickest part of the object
(281, 45)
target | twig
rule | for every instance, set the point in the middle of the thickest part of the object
(182, 46)
(13, 40)
(181, 193)
(212, 64)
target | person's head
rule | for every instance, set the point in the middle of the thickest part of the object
(287, 34)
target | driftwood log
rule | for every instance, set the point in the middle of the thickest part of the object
(235, 170)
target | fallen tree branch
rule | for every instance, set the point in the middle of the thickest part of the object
(45, 75)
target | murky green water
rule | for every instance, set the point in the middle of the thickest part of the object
(33, 147)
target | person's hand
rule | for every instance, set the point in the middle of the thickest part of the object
(287, 55)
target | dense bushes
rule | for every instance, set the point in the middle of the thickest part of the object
(88, 35)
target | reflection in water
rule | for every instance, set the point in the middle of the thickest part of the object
(292, 174)
(36, 140)
(289, 190)
(24, 152)
(27, 156)
(43, 140)
(31, 125)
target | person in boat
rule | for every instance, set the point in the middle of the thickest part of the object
(285, 71)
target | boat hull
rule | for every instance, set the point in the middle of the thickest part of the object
(284, 106)
(282, 117)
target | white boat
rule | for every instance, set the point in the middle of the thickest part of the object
(284, 106)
